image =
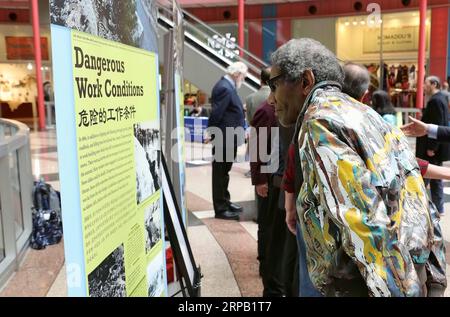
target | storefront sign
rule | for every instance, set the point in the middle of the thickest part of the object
(23, 48)
(402, 39)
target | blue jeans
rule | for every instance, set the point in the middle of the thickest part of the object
(306, 287)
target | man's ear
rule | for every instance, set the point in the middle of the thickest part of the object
(308, 81)
(364, 96)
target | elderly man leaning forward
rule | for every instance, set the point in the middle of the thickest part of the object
(363, 211)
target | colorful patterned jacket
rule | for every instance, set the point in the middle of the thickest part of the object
(367, 221)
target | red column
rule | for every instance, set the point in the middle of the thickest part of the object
(283, 31)
(421, 62)
(438, 42)
(255, 33)
(37, 58)
(241, 25)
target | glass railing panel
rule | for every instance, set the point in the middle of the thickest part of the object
(15, 221)
(16, 200)
(5, 131)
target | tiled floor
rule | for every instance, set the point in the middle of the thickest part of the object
(44, 157)
(225, 250)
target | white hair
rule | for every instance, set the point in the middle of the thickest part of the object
(237, 67)
(434, 80)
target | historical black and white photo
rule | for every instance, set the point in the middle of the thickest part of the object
(108, 279)
(155, 277)
(130, 22)
(153, 232)
(147, 151)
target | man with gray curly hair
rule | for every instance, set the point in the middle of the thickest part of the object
(363, 212)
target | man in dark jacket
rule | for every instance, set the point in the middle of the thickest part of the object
(429, 149)
(266, 176)
(227, 114)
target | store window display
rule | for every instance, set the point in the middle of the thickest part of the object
(18, 91)
(358, 39)
(402, 85)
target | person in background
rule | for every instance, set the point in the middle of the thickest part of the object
(382, 104)
(198, 110)
(48, 91)
(446, 93)
(374, 83)
(254, 100)
(430, 149)
(271, 226)
(418, 128)
(227, 112)
(356, 84)
(445, 86)
(357, 81)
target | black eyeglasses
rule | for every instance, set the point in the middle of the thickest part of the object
(271, 82)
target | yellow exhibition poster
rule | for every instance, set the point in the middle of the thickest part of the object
(119, 152)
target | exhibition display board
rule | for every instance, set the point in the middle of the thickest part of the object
(179, 106)
(177, 50)
(109, 147)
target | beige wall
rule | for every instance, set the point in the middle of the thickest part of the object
(322, 30)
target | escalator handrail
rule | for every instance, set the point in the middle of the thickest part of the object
(255, 68)
(208, 51)
(203, 24)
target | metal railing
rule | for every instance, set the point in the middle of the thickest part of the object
(406, 112)
(16, 185)
(220, 45)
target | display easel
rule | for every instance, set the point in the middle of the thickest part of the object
(188, 273)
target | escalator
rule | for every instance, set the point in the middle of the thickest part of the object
(207, 53)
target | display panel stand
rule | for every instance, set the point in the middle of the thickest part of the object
(188, 272)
